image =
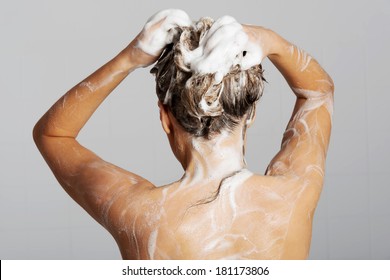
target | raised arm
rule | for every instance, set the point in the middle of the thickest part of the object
(306, 139)
(92, 182)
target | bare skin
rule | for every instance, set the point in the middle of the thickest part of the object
(253, 217)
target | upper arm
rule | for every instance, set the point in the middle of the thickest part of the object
(306, 139)
(92, 182)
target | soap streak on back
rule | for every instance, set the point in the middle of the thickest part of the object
(247, 220)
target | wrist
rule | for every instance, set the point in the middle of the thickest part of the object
(134, 57)
(277, 45)
(268, 40)
(262, 37)
(126, 59)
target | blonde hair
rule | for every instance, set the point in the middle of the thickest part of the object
(201, 107)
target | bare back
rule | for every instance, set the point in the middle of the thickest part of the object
(252, 217)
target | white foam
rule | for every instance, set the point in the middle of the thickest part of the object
(152, 243)
(303, 58)
(91, 87)
(221, 48)
(233, 183)
(229, 157)
(153, 41)
(315, 99)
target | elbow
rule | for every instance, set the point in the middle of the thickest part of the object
(43, 129)
(36, 133)
(331, 85)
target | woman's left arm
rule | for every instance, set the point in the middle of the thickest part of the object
(88, 179)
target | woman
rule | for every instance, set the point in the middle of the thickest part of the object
(208, 80)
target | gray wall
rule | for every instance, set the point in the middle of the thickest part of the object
(48, 46)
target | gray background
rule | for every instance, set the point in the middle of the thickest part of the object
(48, 46)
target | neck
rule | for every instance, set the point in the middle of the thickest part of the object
(216, 158)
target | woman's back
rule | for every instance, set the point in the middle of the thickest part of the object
(251, 217)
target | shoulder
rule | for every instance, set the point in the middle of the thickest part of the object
(285, 188)
(129, 201)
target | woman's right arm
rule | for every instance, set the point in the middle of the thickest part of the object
(306, 139)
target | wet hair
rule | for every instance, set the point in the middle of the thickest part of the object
(201, 107)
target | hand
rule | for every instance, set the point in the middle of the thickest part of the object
(158, 31)
(220, 48)
(259, 45)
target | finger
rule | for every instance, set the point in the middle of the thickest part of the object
(220, 49)
(160, 30)
(253, 56)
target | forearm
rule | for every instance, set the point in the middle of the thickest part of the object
(70, 113)
(300, 70)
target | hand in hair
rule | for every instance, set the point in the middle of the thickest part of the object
(258, 46)
(159, 31)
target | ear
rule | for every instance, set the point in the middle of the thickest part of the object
(164, 118)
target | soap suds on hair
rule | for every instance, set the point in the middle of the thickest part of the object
(219, 49)
(223, 46)
(202, 79)
(154, 41)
